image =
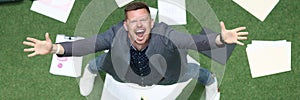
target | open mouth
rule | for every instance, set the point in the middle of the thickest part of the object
(140, 32)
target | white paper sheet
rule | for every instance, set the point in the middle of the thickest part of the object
(172, 12)
(153, 12)
(269, 57)
(258, 8)
(122, 3)
(66, 66)
(57, 9)
(114, 90)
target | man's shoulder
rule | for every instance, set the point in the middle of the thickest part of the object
(160, 25)
(117, 28)
(118, 25)
(160, 28)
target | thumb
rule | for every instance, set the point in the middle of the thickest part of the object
(47, 37)
(223, 28)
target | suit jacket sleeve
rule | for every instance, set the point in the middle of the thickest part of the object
(92, 44)
(200, 42)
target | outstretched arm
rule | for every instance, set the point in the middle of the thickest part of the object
(231, 36)
(42, 47)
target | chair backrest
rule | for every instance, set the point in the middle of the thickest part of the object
(114, 90)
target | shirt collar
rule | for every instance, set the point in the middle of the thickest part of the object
(131, 45)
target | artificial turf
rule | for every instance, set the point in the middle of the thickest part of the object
(29, 78)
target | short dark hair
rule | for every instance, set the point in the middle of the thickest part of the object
(135, 6)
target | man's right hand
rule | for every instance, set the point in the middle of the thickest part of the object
(39, 47)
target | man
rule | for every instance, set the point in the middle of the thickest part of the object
(142, 52)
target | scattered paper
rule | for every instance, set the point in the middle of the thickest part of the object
(122, 3)
(66, 66)
(153, 12)
(269, 57)
(258, 8)
(57, 9)
(114, 90)
(172, 12)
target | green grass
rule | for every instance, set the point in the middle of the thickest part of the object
(29, 78)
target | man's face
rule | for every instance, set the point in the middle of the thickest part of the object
(138, 24)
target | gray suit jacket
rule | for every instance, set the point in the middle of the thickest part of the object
(166, 51)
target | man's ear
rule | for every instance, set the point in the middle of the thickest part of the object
(125, 25)
(152, 23)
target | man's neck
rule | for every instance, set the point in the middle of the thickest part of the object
(139, 47)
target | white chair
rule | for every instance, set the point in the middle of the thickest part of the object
(114, 90)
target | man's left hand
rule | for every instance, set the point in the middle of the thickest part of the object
(234, 35)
